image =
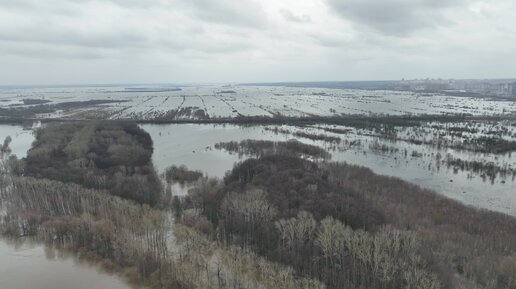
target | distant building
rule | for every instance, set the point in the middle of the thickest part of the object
(503, 89)
(485, 87)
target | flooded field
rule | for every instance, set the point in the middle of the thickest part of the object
(23, 264)
(170, 103)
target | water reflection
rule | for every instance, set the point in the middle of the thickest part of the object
(25, 264)
(22, 138)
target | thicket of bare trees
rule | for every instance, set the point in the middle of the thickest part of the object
(70, 216)
(349, 228)
(205, 264)
(473, 248)
(114, 156)
(262, 147)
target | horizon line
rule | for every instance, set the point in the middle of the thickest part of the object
(114, 84)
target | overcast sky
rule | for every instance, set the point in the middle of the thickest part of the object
(178, 41)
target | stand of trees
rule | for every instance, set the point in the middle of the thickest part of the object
(349, 228)
(262, 147)
(473, 248)
(181, 175)
(119, 232)
(205, 264)
(113, 156)
(290, 211)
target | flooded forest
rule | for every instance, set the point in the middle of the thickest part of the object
(307, 201)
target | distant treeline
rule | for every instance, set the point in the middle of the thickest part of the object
(115, 156)
(358, 120)
(14, 113)
(367, 85)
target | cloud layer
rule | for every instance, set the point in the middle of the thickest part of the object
(399, 17)
(109, 41)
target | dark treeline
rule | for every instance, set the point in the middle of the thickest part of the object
(263, 147)
(349, 228)
(357, 121)
(40, 106)
(33, 101)
(115, 156)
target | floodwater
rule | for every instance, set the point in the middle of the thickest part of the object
(24, 266)
(21, 138)
(192, 145)
(474, 191)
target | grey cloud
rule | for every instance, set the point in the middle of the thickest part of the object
(246, 13)
(330, 40)
(230, 12)
(288, 15)
(167, 29)
(93, 40)
(396, 17)
(49, 51)
(228, 40)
